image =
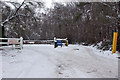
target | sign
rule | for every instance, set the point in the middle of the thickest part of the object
(12, 41)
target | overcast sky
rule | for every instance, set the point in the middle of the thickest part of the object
(49, 2)
(66, 0)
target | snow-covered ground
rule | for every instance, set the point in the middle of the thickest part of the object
(45, 61)
(0, 65)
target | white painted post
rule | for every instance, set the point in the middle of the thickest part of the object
(54, 39)
(21, 43)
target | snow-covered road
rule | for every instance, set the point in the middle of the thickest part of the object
(44, 61)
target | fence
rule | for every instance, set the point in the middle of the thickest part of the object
(16, 42)
(38, 41)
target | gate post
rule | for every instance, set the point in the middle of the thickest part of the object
(21, 42)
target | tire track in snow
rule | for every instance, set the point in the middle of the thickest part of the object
(92, 66)
(71, 62)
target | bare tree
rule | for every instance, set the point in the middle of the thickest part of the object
(10, 17)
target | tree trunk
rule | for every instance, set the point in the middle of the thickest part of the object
(119, 37)
(3, 30)
(119, 29)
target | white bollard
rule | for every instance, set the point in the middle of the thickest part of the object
(21, 42)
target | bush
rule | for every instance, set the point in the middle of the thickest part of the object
(106, 45)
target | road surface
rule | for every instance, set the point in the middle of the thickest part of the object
(45, 61)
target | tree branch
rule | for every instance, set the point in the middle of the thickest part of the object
(14, 15)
